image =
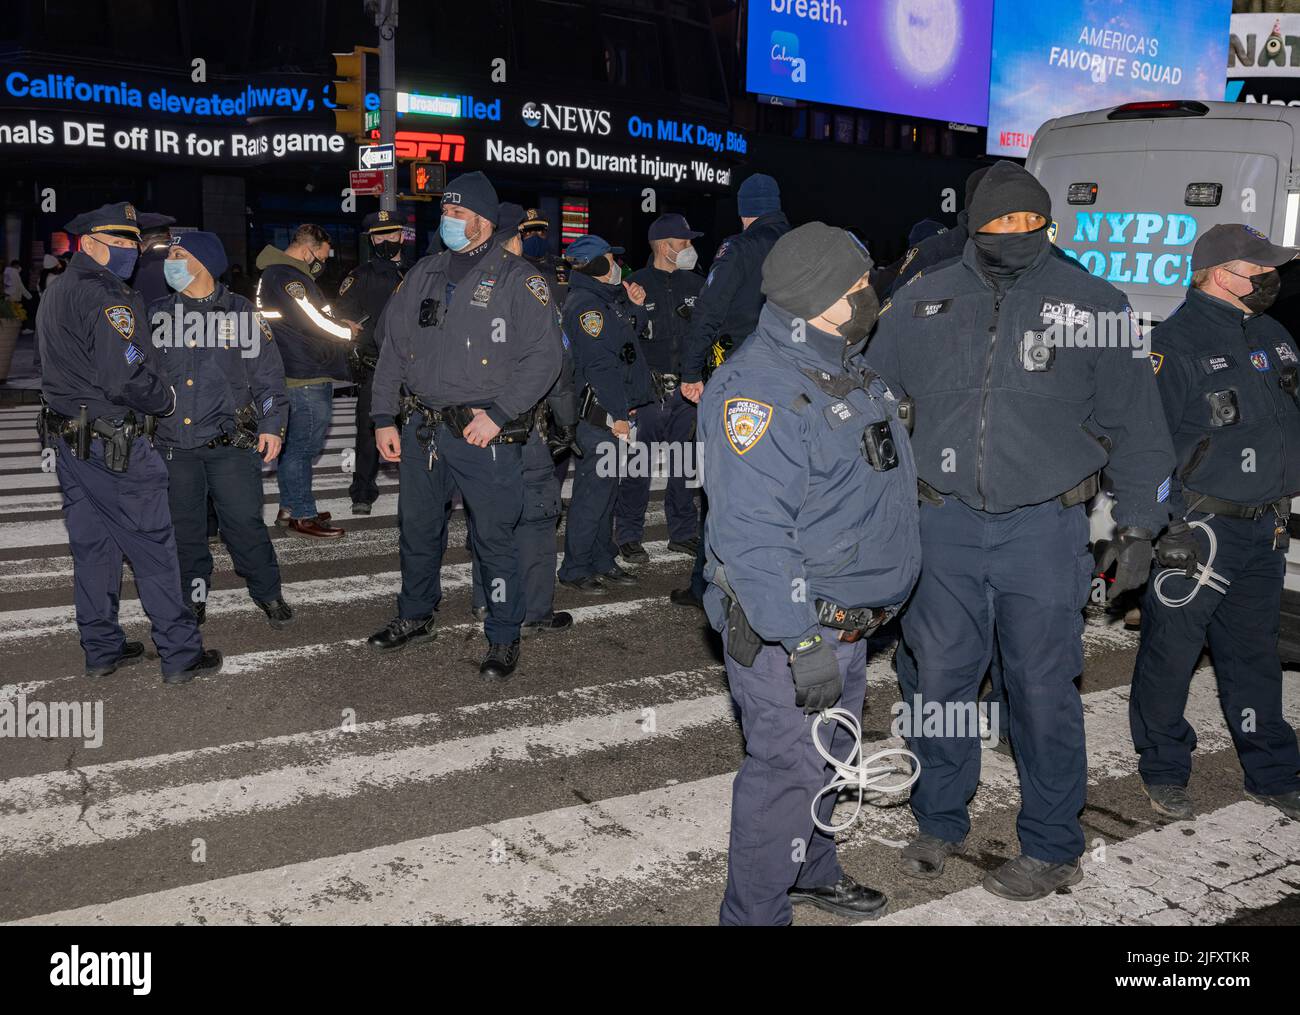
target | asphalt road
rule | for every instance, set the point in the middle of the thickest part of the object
(314, 781)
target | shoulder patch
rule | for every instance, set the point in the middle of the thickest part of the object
(745, 421)
(722, 250)
(122, 319)
(538, 287)
(296, 289)
(1157, 361)
(592, 322)
(266, 328)
(133, 354)
(347, 283)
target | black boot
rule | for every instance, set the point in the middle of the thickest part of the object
(555, 622)
(278, 613)
(207, 664)
(132, 652)
(500, 662)
(399, 632)
(844, 898)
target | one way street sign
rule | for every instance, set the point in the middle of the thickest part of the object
(379, 156)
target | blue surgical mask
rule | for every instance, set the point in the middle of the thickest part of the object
(452, 232)
(535, 246)
(121, 260)
(177, 275)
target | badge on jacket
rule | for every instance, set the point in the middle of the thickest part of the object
(745, 421)
(122, 319)
(592, 322)
(296, 290)
(538, 287)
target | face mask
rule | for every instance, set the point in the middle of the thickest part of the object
(452, 232)
(388, 249)
(865, 307)
(177, 275)
(687, 258)
(534, 246)
(121, 260)
(598, 268)
(1264, 289)
(1010, 253)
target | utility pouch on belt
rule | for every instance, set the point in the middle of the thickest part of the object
(117, 443)
(743, 642)
(82, 447)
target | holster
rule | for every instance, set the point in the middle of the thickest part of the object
(743, 641)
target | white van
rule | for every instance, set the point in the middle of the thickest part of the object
(1132, 188)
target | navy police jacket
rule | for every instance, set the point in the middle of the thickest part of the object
(796, 510)
(96, 348)
(490, 341)
(364, 294)
(1228, 384)
(732, 297)
(232, 363)
(311, 342)
(670, 303)
(1002, 428)
(932, 251)
(602, 328)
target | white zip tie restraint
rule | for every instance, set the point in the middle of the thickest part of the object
(854, 773)
(1206, 576)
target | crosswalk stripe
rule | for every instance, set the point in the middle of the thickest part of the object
(1189, 873)
(16, 625)
(654, 837)
(32, 502)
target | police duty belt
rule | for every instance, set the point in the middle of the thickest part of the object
(456, 418)
(78, 432)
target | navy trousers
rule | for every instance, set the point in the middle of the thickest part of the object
(1026, 575)
(672, 422)
(774, 843)
(535, 534)
(112, 516)
(232, 477)
(1242, 629)
(588, 534)
(364, 489)
(491, 485)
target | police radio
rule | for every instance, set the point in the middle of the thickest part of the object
(878, 446)
(1289, 381)
(1223, 407)
(1036, 352)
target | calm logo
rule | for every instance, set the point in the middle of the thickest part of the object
(785, 51)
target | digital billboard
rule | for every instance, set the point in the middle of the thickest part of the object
(1069, 56)
(925, 58)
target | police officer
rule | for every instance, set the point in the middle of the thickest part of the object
(313, 346)
(534, 232)
(812, 544)
(940, 247)
(726, 311)
(1027, 378)
(671, 286)
(155, 242)
(552, 440)
(362, 298)
(603, 321)
(102, 390)
(230, 414)
(1229, 377)
(471, 334)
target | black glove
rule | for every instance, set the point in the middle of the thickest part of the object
(1131, 550)
(817, 680)
(563, 440)
(1177, 548)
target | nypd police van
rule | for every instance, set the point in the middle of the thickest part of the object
(1132, 188)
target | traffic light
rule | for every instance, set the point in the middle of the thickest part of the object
(428, 177)
(350, 91)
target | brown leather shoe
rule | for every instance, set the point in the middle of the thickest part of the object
(283, 518)
(318, 527)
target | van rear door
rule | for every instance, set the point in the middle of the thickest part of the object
(1139, 229)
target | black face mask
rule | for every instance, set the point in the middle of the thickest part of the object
(865, 307)
(388, 249)
(1264, 290)
(1007, 255)
(597, 268)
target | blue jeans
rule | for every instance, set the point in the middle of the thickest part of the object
(310, 409)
